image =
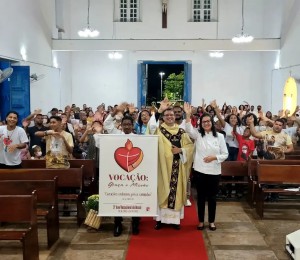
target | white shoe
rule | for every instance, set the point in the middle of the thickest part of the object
(188, 203)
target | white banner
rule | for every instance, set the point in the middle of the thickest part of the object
(128, 175)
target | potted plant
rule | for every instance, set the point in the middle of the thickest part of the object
(91, 206)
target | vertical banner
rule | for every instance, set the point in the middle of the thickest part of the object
(128, 175)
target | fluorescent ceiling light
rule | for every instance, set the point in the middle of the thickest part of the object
(115, 55)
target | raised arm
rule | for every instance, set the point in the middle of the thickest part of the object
(87, 131)
(203, 106)
(109, 124)
(264, 118)
(32, 115)
(190, 130)
(164, 104)
(218, 113)
(68, 112)
(250, 123)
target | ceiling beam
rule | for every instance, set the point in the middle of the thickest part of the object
(163, 45)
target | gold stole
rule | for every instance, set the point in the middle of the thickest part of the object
(174, 140)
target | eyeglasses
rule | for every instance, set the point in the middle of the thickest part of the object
(206, 122)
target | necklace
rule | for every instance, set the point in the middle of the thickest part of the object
(11, 133)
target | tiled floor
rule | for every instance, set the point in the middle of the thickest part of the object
(240, 234)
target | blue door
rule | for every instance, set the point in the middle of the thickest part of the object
(15, 93)
(142, 83)
(187, 92)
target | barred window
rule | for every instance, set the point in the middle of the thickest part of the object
(202, 10)
(129, 10)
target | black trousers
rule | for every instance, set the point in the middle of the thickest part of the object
(4, 166)
(135, 220)
(232, 153)
(207, 186)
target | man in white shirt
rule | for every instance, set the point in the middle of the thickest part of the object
(127, 128)
(12, 140)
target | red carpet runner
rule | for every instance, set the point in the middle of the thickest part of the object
(168, 243)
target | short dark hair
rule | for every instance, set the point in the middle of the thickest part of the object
(281, 120)
(12, 112)
(168, 109)
(57, 118)
(127, 117)
(178, 107)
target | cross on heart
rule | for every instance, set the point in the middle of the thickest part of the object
(128, 157)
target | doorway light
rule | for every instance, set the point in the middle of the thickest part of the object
(55, 63)
(277, 62)
(23, 53)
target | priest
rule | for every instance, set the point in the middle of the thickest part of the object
(175, 151)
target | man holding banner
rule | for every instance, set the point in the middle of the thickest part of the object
(175, 155)
(127, 128)
(128, 172)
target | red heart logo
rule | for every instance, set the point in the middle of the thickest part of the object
(128, 157)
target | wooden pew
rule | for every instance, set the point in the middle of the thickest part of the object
(252, 173)
(234, 169)
(89, 175)
(272, 175)
(292, 157)
(47, 204)
(234, 172)
(67, 178)
(21, 209)
(89, 171)
(295, 152)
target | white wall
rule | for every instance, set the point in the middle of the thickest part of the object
(289, 54)
(236, 78)
(23, 23)
(262, 19)
(97, 79)
(270, 96)
(90, 77)
(46, 92)
(29, 24)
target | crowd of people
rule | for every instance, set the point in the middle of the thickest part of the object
(198, 138)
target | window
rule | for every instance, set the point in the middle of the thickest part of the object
(129, 10)
(202, 10)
